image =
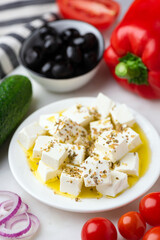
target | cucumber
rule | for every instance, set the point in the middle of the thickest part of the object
(15, 98)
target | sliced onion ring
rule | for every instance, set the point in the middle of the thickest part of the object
(16, 205)
(34, 227)
(6, 230)
(7, 205)
(13, 212)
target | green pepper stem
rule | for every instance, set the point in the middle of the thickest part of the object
(133, 69)
(121, 70)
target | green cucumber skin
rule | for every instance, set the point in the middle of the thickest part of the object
(15, 98)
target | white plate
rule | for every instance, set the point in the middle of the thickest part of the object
(30, 184)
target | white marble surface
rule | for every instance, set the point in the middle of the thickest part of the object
(60, 225)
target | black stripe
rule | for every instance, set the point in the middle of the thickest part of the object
(2, 73)
(29, 27)
(10, 53)
(16, 36)
(18, 21)
(24, 3)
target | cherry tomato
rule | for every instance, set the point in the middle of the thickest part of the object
(152, 234)
(99, 229)
(149, 208)
(132, 226)
(100, 13)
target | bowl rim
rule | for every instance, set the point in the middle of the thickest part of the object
(22, 62)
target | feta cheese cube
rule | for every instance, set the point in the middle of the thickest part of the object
(129, 164)
(95, 172)
(122, 115)
(67, 131)
(55, 155)
(132, 138)
(42, 142)
(28, 135)
(47, 172)
(76, 154)
(104, 105)
(47, 121)
(113, 143)
(97, 154)
(97, 127)
(119, 183)
(79, 114)
(71, 180)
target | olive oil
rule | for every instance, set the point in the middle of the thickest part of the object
(54, 184)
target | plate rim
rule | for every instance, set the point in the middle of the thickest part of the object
(77, 209)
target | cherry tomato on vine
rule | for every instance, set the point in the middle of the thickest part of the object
(152, 234)
(100, 13)
(99, 229)
(149, 208)
(132, 226)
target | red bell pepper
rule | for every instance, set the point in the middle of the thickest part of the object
(134, 54)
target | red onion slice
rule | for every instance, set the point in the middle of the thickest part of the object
(6, 230)
(34, 227)
(15, 221)
(16, 205)
(7, 205)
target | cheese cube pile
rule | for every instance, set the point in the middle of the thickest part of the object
(55, 155)
(76, 153)
(98, 127)
(95, 172)
(119, 183)
(122, 115)
(90, 145)
(104, 105)
(47, 172)
(47, 121)
(71, 180)
(113, 143)
(129, 164)
(28, 135)
(132, 138)
(67, 131)
(42, 143)
(79, 114)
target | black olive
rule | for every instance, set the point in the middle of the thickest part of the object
(32, 57)
(53, 31)
(62, 70)
(50, 45)
(59, 42)
(58, 58)
(79, 42)
(46, 68)
(43, 31)
(39, 50)
(48, 36)
(90, 59)
(69, 34)
(74, 54)
(90, 41)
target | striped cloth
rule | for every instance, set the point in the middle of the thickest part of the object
(18, 18)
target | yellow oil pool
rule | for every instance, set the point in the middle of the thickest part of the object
(144, 156)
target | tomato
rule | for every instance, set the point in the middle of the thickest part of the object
(152, 234)
(132, 226)
(100, 13)
(149, 208)
(99, 229)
